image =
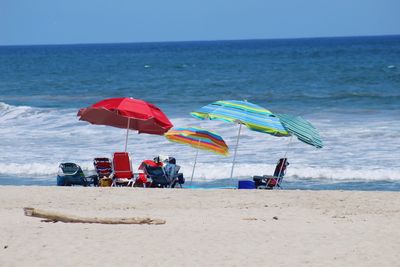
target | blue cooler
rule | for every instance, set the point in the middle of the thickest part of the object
(246, 184)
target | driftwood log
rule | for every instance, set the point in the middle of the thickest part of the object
(59, 217)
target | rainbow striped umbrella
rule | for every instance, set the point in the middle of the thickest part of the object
(254, 117)
(198, 138)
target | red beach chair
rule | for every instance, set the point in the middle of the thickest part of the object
(122, 169)
(103, 167)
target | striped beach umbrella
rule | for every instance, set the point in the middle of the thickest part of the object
(302, 129)
(200, 139)
(254, 117)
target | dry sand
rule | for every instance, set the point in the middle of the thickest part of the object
(203, 228)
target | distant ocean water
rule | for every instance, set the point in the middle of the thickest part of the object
(349, 88)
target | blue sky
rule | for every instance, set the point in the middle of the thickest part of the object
(101, 21)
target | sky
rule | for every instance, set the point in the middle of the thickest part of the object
(24, 22)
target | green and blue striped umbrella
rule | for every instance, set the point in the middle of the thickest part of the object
(254, 117)
(302, 129)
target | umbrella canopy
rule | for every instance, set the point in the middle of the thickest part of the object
(302, 129)
(254, 117)
(199, 138)
(128, 113)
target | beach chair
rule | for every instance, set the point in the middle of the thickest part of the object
(103, 168)
(172, 172)
(177, 178)
(157, 176)
(71, 174)
(122, 170)
(272, 181)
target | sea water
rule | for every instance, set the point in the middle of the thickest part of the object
(348, 88)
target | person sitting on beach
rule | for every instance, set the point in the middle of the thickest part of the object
(171, 170)
(156, 162)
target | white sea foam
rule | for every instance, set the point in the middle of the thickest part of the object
(210, 171)
(36, 140)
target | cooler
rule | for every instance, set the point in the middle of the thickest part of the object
(246, 184)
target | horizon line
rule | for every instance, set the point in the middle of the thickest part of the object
(205, 40)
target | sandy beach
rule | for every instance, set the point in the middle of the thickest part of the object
(203, 228)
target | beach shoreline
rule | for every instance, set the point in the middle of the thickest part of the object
(203, 227)
(288, 183)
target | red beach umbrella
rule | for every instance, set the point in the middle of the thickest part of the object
(127, 113)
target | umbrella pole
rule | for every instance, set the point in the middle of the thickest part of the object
(194, 165)
(127, 133)
(234, 155)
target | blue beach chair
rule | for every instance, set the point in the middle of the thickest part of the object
(272, 181)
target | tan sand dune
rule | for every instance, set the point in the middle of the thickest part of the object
(203, 228)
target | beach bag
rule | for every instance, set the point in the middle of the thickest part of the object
(105, 182)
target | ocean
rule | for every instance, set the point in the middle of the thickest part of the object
(348, 88)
